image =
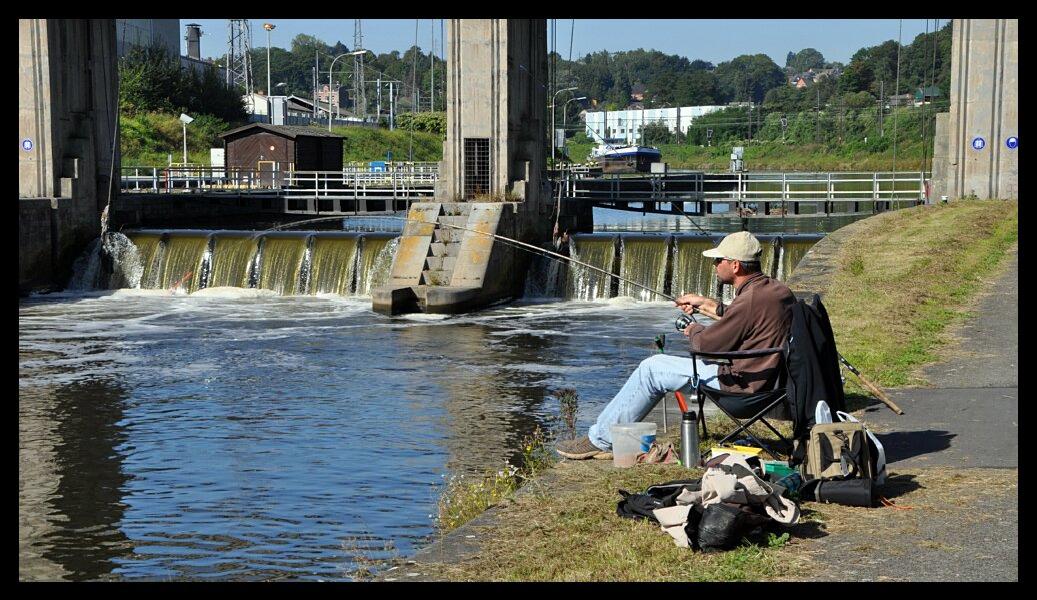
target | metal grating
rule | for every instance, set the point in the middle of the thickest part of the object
(476, 167)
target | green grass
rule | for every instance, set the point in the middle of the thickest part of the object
(567, 530)
(149, 138)
(363, 144)
(907, 277)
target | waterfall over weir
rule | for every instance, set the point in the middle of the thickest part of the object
(672, 264)
(352, 263)
(288, 263)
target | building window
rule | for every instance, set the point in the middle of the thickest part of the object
(476, 167)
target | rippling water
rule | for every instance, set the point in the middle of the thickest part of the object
(238, 435)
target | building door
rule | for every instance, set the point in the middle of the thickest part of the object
(267, 173)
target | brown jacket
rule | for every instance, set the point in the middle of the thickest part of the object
(759, 317)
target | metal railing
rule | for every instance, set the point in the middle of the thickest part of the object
(407, 179)
(751, 189)
(196, 178)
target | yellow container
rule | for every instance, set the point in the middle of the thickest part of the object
(744, 450)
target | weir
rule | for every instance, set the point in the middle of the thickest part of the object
(288, 263)
(355, 263)
(490, 178)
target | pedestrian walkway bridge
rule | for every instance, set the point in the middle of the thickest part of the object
(360, 190)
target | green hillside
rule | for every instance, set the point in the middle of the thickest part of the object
(149, 138)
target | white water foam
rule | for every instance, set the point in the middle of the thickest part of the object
(234, 292)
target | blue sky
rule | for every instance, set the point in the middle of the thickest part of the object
(714, 40)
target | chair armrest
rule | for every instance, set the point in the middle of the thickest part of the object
(736, 353)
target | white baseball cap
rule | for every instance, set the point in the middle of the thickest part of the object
(741, 246)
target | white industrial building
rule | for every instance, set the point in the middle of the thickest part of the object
(624, 126)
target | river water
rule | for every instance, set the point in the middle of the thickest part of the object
(239, 434)
(265, 437)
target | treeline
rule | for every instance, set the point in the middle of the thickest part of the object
(609, 79)
(152, 80)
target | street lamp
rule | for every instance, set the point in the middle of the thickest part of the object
(353, 53)
(565, 112)
(185, 120)
(269, 27)
(553, 98)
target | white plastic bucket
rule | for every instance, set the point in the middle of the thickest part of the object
(627, 441)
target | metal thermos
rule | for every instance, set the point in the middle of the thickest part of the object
(690, 440)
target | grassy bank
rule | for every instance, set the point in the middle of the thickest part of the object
(364, 144)
(564, 528)
(907, 276)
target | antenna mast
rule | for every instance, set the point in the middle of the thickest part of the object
(239, 59)
(359, 98)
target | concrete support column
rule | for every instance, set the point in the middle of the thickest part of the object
(67, 111)
(984, 105)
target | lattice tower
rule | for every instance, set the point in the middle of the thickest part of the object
(239, 58)
(359, 97)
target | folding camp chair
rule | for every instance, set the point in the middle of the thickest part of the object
(746, 409)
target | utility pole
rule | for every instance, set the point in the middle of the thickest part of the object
(378, 117)
(392, 106)
(269, 27)
(817, 133)
(359, 97)
(882, 103)
(432, 69)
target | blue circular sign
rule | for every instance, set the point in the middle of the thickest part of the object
(27, 145)
(978, 143)
(1012, 143)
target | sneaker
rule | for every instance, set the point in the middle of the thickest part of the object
(581, 449)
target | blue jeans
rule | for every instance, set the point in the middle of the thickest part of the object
(655, 376)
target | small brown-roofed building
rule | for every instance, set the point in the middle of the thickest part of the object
(273, 150)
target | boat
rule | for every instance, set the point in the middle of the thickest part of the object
(626, 159)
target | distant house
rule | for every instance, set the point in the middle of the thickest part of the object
(273, 150)
(927, 95)
(802, 83)
(638, 92)
(826, 73)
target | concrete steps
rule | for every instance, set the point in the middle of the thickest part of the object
(445, 245)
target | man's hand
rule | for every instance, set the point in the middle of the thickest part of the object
(689, 302)
(692, 303)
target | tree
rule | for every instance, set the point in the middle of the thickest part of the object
(655, 133)
(151, 79)
(858, 101)
(748, 77)
(858, 77)
(805, 59)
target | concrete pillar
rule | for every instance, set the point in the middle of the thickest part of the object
(984, 104)
(67, 111)
(496, 74)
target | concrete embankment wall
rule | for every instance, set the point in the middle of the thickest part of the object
(814, 272)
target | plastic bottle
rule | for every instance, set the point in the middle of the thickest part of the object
(690, 440)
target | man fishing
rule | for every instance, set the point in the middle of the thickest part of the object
(758, 317)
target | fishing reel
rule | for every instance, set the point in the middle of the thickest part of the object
(682, 322)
